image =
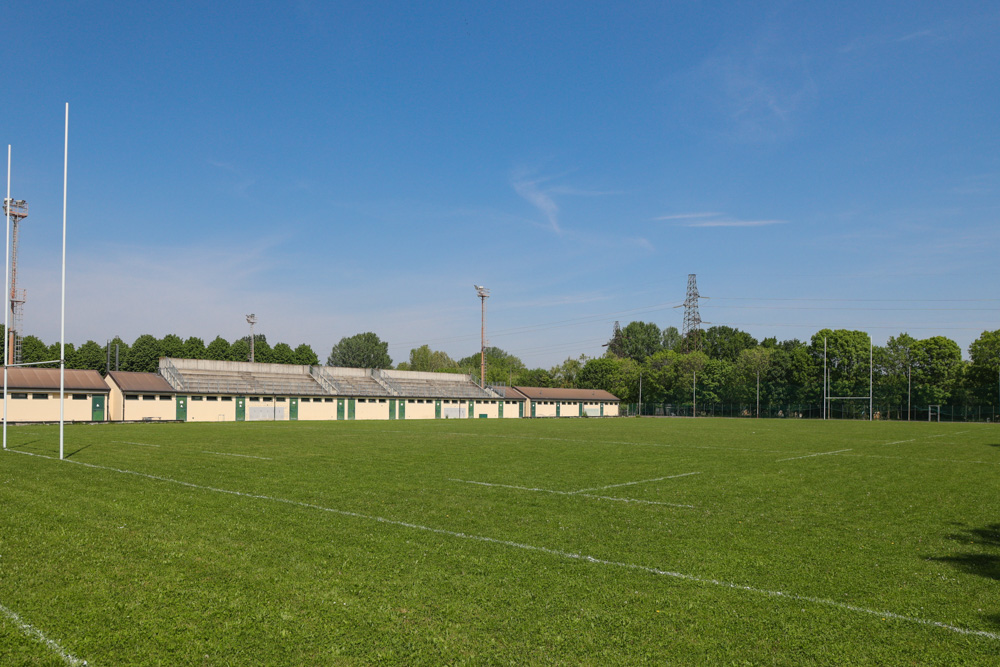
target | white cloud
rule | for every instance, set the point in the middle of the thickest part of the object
(707, 219)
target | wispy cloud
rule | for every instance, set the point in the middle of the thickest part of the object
(707, 219)
(541, 193)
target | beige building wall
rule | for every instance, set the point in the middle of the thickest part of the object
(34, 408)
(317, 409)
(137, 407)
(511, 409)
(210, 408)
(418, 408)
(372, 408)
(544, 408)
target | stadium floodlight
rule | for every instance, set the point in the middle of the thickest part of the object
(251, 320)
(483, 293)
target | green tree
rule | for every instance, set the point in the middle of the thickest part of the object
(305, 356)
(501, 366)
(937, 369)
(848, 354)
(262, 352)
(752, 365)
(144, 355)
(34, 350)
(565, 374)
(194, 348)
(423, 358)
(119, 353)
(363, 350)
(618, 376)
(89, 356)
(218, 350)
(721, 342)
(983, 376)
(282, 354)
(536, 377)
(239, 350)
(672, 339)
(172, 346)
(641, 340)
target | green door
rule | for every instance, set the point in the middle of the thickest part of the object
(350, 407)
(472, 409)
(532, 408)
(402, 409)
(97, 407)
(241, 408)
(293, 409)
(392, 408)
(580, 405)
(437, 409)
(182, 408)
(500, 413)
(340, 408)
(602, 409)
(520, 409)
(558, 405)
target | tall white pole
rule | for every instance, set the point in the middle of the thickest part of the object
(6, 310)
(871, 378)
(825, 381)
(62, 316)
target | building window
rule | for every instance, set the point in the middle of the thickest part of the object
(227, 398)
(19, 396)
(211, 398)
(164, 397)
(79, 397)
(197, 398)
(132, 397)
(254, 399)
(279, 400)
(305, 400)
(381, 400)
(328, 400)
(39, 397)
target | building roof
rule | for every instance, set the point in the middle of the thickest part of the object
(48, 379)
(558, 394)
(139, 383)
(509, 393)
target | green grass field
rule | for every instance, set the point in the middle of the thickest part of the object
(690, 541)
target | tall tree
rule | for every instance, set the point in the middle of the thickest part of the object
(194, 348)
(218, 350)
(641, 340)
(501, 366)
(172, 346)
(282, 353)
(672, 339)
(240, 350)
(34, 350)
(305, 356)
(423, 358)
(363, 350)
(612, 374)
(983, 377)
(722, 342)
(144, 355)
(565, 374)
(89, 356)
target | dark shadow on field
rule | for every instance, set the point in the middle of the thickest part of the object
(982, 562)
(77, 451)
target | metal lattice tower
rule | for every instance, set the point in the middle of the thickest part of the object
(692, 320)
(17, 209)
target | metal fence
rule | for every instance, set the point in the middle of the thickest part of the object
(837, 410)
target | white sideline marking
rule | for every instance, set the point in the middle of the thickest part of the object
(141, 444)
(641, 481)
(570, 493)
(32, 631)
(926, 437)
(807, 456)
(242, 456)
(552, 552)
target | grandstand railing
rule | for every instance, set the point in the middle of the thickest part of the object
(383, 380)
(323, 380)
(169, 373)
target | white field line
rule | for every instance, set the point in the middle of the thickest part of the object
(925, 437)
(32, 631)
(141, 444)
(809, 456)
(242, 456)
(571, 493)
(555, 552)
(908, 458)
(641, 481)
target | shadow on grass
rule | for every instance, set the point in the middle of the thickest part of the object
(77, 451)
(983, 562)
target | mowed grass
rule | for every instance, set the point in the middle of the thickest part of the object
(577, 541)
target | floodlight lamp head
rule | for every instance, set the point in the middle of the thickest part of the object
(482, 291)
(251, 319)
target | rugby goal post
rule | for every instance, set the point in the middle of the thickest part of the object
(871, 383)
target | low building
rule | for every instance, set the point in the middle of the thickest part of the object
(33, 395)
(141, 397)
(557, 402)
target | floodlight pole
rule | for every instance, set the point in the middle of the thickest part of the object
(640, 393)
(62, 315)
(251, 320)
(758, 393)
(694, 394)
(825, 378)
(909, 387)
(871, 378)
(6, 309)
(483, 293)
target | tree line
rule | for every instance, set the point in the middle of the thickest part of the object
(144, 353)
(720, 365)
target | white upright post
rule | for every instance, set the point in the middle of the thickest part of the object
(824, 378)
(62, 315)
(6, 309)
(871, 378)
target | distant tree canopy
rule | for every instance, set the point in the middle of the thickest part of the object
(363, 350)
(423, 358)
(501, 366)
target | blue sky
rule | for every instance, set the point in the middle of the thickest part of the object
(345, 167)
